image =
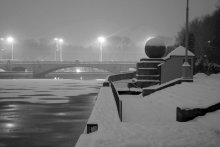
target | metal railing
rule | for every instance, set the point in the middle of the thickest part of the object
(66, 62)
(117, 100)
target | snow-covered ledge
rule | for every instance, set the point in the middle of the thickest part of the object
(151, 120)
(104, 114)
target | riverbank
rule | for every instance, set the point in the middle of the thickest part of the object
(151, 120)
(45, 112)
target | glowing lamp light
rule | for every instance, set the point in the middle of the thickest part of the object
(10, 125)
(60, 40)
(101, 39)
(78, 70)
(10, 39)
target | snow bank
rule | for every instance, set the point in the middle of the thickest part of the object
(150, 121)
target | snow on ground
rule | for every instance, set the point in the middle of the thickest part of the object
(150, 121)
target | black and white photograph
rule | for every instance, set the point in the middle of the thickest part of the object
(109, 73)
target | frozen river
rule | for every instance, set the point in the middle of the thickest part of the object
(45, 112)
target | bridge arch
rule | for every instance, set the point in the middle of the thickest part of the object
(42, 74)
(80, 69)
(19, 68)
(42, 70)
(2, 69)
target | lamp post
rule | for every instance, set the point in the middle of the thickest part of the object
(60, 44)
(101, 40)
(2, 40)
(187, 31)
(56, 50)
(186, 67)
(11, 41)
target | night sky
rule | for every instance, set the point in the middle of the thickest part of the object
(80, 22)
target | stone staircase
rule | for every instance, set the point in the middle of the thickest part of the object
(148, 73)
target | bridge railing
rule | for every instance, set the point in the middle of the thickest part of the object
(65, 62)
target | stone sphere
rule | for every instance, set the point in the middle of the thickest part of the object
(155, 48)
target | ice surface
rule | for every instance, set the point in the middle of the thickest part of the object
(52, 91)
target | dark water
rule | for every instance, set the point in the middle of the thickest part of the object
(34, 116)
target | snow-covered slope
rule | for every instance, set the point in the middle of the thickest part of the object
(151, 121)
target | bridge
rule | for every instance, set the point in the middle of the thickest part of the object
(41, 68)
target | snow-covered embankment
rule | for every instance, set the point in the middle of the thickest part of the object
(151, 120)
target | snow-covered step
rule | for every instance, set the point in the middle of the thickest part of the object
(148, 71)
(148, 64)
(152, 59)
(156, 81)
(146, 83)
(147, 68)
(148, 77)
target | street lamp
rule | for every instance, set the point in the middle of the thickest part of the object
(55, 54)
(59, 42)
(101, 40)
(11, 41)
(2, 39)
(186, 67)
(61, 54)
